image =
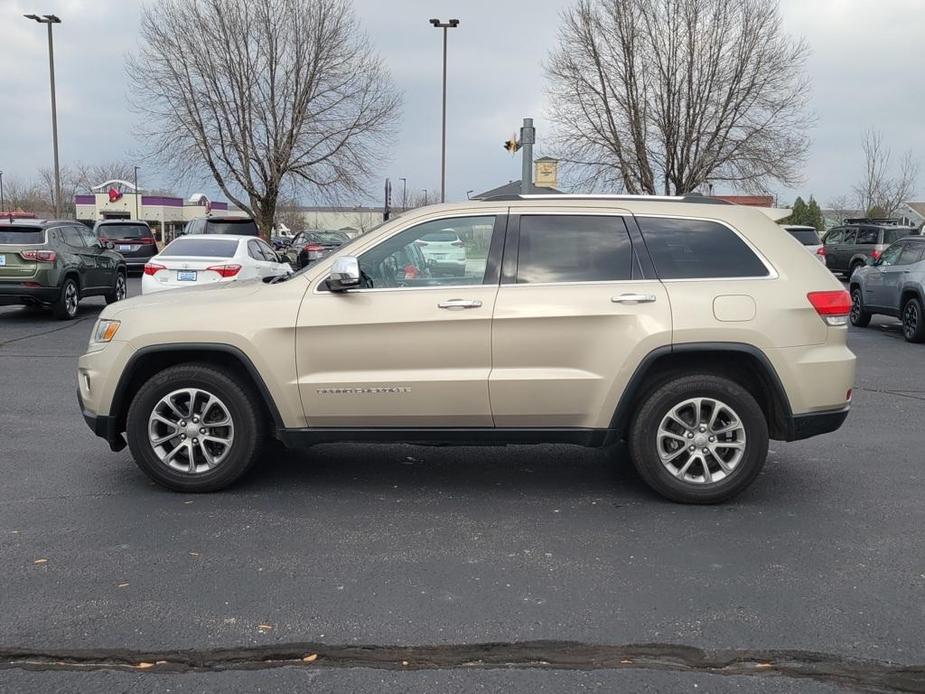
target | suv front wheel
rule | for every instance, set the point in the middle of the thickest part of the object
(699, 439)
(192, 428)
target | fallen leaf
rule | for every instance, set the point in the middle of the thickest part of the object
(194, 554)
(764, 665)
(404, 662)
(144, 666)
(311, 658)
(626, 662)
(122, 585)
(264, 626)
(40, 561)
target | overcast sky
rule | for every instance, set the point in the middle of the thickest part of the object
(865, 68)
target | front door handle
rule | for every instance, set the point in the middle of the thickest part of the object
(452, 304)
(633, 299)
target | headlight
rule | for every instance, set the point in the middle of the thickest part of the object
(105, 330)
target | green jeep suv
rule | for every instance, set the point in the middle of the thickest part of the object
(55, 264)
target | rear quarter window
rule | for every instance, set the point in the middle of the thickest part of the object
(698, 249)
(870, 237)
(21, 235)
(891, 235)
(807, 237)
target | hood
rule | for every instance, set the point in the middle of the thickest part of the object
(209, 294)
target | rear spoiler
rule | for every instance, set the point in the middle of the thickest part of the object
(775, 214)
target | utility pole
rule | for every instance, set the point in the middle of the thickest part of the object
(2, 206)
(452, 24)
(527, 138)
(136, 193)
(425, 197)
(404, 190)
(50, 19)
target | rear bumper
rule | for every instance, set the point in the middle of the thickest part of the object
(804, 426)
(103, 426)
(12, 293)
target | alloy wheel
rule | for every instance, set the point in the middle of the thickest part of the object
(191, 430)
(120, 287)
(910, 319)
(855, 305)
(70, 299)
(701, 441)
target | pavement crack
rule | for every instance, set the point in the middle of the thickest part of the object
(859, 674)
(70, 324)
(898, 393)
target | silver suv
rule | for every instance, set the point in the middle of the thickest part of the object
(893, 285)
(694, 332)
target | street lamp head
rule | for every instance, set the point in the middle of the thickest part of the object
(44, 19)
(33, 16)
(445, 25)
(454, 23)
(52, 19)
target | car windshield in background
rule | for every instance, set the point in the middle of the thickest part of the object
(18, 235)
(891, 235)
(808, 237)
(202, 248)
(440, 236)
(329, 237)
(244, 227)
(123, 231)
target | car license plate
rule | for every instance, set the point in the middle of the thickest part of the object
(186, 275)
(124, 247)
(2, 260)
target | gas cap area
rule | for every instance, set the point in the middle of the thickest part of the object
(734, 308)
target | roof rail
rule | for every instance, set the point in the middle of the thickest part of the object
(882, 221)
(689, 198)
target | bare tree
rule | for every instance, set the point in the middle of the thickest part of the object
(881, 192)
(289, 214)
(666, 95)
(261, 93)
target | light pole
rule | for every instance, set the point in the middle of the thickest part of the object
(2, 206)
(136, 193)
(425, 197)
(404, 189)
(452, 24)
(50, 19)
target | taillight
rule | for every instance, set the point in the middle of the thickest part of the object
(153, 268)
(146, 239)
(39, 256)
(875, 254)
(832, 306)
(225, 270)
(821, 251)
(314, 250)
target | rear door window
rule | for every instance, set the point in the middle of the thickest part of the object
(912, 252)
(88, 236)
(72, 237)
(17, 235)
(698, 249)
(868, 237)
(834, 236)
(202, 248)
(573, 248)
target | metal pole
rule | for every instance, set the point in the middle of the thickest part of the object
(136, 193)
(2, 206)
(443, 157)
(54, 121)
(404, 190)
(425, 197)
(527, 137)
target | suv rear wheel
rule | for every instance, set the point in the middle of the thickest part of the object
(913, 320)
(192, 428)
(699, 439)
(119, 289)
(65, 308)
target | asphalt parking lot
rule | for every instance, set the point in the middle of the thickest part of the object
(818, 569)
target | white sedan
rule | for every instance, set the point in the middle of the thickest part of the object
(198, 259)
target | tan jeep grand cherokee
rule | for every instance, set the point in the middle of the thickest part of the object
(692, 331)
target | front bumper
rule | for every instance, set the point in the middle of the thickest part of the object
(12, 293)
(103, 426)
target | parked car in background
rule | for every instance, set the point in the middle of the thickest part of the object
(237, 226)
(445, 252)
(809, 237)
(206, 259)
(893, 285)
(695, 332)
(56, 263)
(847, 247)
(132, 239)
(309, 246)
(280, 242)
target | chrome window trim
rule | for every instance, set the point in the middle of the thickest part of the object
(772, 271)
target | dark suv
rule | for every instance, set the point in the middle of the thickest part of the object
(241, 226)
(847, 247)
(133, 240)
(55, 264)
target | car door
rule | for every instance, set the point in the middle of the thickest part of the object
(844, 250)
(407, 350)
(104, 264)
(879, 287)
(831, 242)
(575, 315)
(82, 258)
(257, 263)
(896, 275)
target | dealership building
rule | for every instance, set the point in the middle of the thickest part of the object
(165, 214)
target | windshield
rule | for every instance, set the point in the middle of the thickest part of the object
(244, 227)
(202, 248)
(123, 231)
(22, 235)
(808, 237)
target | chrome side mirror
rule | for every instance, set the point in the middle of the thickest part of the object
(345, 274)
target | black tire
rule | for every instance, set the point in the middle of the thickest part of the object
(913, 318)
(118, 292)
(859, 317)
(65, 308)
(242, 406)
(643, 439)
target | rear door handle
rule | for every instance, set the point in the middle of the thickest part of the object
(452, 304)
(633, 299)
